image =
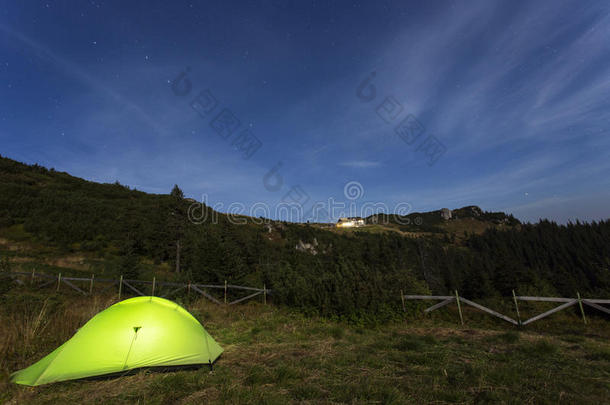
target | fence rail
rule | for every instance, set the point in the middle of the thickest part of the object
(142, 285)
(138, 287)
(565, 303)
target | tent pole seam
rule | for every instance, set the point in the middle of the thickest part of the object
(135, 334)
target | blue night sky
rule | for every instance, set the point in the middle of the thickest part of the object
(508, 103)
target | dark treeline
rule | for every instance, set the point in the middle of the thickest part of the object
(534, 259)
(353, 274)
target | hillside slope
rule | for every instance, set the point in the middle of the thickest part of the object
(56, 220)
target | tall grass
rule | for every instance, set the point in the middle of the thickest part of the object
(33, 324)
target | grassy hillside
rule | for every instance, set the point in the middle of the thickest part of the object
(469, 219)
(276, 356)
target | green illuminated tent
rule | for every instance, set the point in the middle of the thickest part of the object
(138, 332)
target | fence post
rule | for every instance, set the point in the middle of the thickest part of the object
(582, 310)
(188, 289)
(32, 280)
(457, 299)
(402, 298)
(120, 286)
(153, 288)
(58, 281)
(91, 284)
(264, 294)
(517, 307)
(225, 291)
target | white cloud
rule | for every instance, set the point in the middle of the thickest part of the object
(360, 164)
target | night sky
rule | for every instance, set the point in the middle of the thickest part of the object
(408, 104)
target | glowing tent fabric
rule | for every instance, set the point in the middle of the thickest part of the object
(138, 332)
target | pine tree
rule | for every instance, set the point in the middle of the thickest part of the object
(177, 192)
(129, 265)
(177, 221)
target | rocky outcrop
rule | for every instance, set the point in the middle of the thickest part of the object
(307, 247)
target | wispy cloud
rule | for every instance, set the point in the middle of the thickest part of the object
(72, 70)
(360, 164)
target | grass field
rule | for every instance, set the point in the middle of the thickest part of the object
(275, 356)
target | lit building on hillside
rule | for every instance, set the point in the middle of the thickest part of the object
(350, 222)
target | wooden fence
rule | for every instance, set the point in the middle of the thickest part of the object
(141, 287)
(164, 289)
(566, 303)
